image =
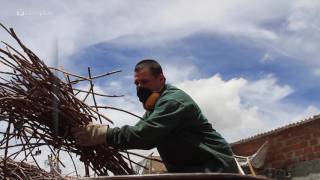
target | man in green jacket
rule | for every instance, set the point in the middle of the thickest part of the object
(173, 123)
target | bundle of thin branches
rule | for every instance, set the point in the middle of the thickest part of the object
(39, 109)
(23, 171)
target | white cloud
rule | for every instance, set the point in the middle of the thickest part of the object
(265, 91)
(238, 108)
(299, 37)
(160, 23)
(306, 113)
(267, 57)
(316, 72)
(177, 72)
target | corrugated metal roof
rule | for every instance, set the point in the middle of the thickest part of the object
(291, 125)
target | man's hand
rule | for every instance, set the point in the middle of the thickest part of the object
(90, 135)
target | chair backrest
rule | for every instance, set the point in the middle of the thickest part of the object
(238, 165)
(258, 158)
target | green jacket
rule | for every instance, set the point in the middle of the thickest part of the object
(183, 136)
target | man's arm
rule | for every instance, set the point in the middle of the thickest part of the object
(147, 133)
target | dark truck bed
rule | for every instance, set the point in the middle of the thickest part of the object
(180, 176)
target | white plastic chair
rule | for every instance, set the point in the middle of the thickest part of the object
(253, 161)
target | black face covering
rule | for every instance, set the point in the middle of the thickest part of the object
(143, 93)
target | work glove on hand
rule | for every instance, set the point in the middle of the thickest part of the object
(90, 135)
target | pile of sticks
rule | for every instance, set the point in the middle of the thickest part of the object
(39, 109)
(22, 171)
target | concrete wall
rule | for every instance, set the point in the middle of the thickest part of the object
(307, 170)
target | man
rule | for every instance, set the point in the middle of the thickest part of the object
(173, 123)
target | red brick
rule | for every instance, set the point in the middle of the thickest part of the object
(298, 152)
(302, 158)
(307, 150)
(305, 136)
(316, 148)
(316, 134)
(317, 155)
(302, 144)
(280, 157)
(290, 142)
(288, 148)
(311, 156)
(289, 155)
(277, 164)
(313, 142)
(271, 158)
(286, 135)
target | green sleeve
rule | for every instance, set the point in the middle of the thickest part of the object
(148, 132)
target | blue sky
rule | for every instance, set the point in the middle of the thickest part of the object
(211, 55)
(267, 52)
(251, 66)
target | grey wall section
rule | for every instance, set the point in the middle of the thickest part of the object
(307, 170)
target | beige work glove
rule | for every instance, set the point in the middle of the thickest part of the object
(90, 135)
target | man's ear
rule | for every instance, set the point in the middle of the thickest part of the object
(162, 78)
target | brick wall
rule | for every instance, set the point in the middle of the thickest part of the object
(286, 147)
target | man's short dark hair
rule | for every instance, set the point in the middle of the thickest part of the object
(152, 64)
